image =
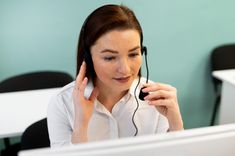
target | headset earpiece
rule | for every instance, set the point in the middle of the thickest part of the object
(143, 94)
(144, 50)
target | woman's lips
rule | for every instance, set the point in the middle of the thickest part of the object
(122, 79)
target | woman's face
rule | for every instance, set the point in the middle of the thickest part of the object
(117, 59)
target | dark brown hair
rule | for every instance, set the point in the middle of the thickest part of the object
(99, 22)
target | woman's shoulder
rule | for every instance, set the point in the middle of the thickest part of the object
(63, 95)
(67, 89)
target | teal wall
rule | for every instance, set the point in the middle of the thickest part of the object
(43, 34)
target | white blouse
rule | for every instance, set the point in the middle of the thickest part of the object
(103, 124)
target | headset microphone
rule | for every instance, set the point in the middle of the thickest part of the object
(143, 94)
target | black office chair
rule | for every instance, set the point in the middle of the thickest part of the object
(36, 136)
(31, 81)
(35, 80)
(222, 57)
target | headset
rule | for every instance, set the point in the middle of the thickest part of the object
(142, 94)
(88, 59)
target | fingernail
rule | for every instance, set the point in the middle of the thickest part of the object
(84, 80)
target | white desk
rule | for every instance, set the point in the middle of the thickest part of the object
(18, 110)
(227, 106)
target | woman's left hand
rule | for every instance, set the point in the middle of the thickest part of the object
(164, 98)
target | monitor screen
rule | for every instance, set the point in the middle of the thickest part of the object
(216, 141)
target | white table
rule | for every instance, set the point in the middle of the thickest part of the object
(20, 109)
(227, 106)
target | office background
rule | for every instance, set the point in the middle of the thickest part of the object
(180, 35)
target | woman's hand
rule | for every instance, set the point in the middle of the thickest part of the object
(164, 98)
(83, 107)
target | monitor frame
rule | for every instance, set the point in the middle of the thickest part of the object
(216, 140)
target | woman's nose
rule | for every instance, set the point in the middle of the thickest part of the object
(124, 67)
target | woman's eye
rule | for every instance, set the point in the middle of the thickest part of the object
(110, 58)
(133, 54)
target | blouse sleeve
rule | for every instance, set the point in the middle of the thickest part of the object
(163, 125)
(59, 127)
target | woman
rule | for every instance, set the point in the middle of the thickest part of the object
(102, 103)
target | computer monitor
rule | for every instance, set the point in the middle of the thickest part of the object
(216, 141)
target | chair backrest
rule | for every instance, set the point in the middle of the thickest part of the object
(222, 57)
(35, 136)
(35, 80)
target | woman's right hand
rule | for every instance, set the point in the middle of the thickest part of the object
(83, 107)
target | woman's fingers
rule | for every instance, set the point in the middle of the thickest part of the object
(161, 102)
(81, 75)
(82, 88)
(160, 94)
(158, 86)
